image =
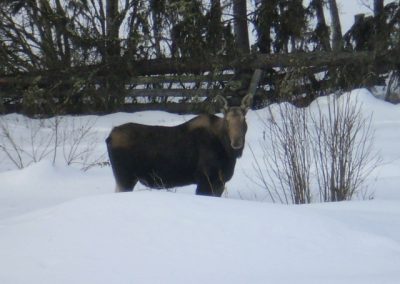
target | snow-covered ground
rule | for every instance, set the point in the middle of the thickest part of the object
(59, 224)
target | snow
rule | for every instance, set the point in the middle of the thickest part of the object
(59, 224)
(158, 237)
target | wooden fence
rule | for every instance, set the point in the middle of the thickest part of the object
(174, 84)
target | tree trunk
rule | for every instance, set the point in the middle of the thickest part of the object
(62, 36)
(337, 38)
(112, 30)
(322, 28)
(44, 26)
(242, 44)
(379, 23)
(215, 29)
(266, 16)
(378, 7)
(155, 15)
(114, 86)
(240, 26)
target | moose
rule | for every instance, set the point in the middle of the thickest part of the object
(201, 151)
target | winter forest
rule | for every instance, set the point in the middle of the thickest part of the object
(95, 56)
(300, 98)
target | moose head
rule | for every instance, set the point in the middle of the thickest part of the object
(235, 120)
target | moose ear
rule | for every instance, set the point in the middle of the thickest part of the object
(222, 103)
(247, 102)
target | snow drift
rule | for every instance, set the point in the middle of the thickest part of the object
(62, 225)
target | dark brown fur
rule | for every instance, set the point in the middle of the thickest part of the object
(202, 151)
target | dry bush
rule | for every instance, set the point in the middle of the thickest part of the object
(286, 155)
(393, 87)
(77, 141)
(342, 140)
(33, 140)
(330, 148)
(31, 144)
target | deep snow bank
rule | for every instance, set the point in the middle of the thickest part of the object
(42, 185)
(159, 237)
(61, 225)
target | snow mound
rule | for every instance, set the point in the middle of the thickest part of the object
(159, 237)
(43, 184)
(62, 225)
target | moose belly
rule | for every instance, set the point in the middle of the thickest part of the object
(163, 179)
(165, 165)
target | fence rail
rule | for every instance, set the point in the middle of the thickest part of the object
(167, 82)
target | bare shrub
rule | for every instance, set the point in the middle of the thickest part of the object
(9, 146)
(342, 140)
(77, 141)
(32, 146)
(287, 178)
(330, 148)
(393, 87)
(24, 141)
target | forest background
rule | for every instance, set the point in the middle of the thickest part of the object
(101, 56)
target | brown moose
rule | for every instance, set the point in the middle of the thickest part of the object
(201, 151)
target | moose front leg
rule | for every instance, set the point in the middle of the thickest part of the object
(211, 185)
(125, 185)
